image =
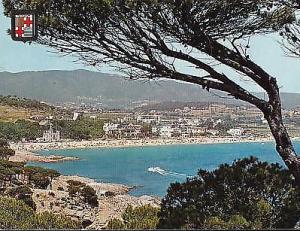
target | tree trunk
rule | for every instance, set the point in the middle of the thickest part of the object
(284, 146)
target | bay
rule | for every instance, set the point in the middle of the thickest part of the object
(153, 168)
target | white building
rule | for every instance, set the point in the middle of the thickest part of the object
(117, 130)
(51, 135)
(166, 131)
(235, 131)
(111, 129)
(148, 119)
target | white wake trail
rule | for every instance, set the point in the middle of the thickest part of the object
(164, 172)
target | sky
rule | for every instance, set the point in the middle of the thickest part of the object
(17, 57)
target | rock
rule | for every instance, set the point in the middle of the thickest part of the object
(113, 200)
(86, 222)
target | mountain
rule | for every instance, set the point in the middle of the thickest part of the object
(81, 86)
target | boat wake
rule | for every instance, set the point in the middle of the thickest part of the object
(164, 172)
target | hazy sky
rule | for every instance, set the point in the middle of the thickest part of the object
(17, 56)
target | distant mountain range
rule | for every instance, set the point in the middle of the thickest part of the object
(81, 86)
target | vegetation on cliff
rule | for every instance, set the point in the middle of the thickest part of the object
(247, 194)
(15, 214)
(143, 217)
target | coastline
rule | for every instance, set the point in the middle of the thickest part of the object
(113, 198)
(27, 156)
(28, 152)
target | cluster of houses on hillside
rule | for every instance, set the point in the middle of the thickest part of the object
(184, 122)
(122, 130)
(158, 125)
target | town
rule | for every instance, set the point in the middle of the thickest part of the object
(204, 120)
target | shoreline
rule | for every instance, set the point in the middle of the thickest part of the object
(27, 156)
(113, 200)
(29, 151)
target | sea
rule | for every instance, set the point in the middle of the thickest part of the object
(153, 168)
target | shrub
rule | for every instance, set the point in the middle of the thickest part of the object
(89, 196)
(23, 193)
(77, 188)
(116, 224)
(40, 180)
(40, 177)
(15, 214)
(143, 217)
(246, 194)
(47, 220)
(6, 152)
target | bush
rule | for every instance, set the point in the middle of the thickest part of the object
(15, 214)
(89, 196)
(116, 224)
(6, 152)
(246, 194)
(16, 131)
(82, 129)
(40, 177)
(23, 193)
(40, 180)
(144, 217)
(77, 188)
(47, 220)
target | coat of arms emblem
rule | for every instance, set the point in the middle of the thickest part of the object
(23, 25)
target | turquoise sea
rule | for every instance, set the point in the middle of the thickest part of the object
(153, 168)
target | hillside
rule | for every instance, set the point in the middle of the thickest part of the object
(106, 90)
(13, 109)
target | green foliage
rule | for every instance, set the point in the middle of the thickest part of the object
(15, 214)
(16, 131)
(116, 224)
(18, 212)
(40, 180)
(214, 223)
(75, 183)
(3, 143)
(40, 177)
(77, 188)
(246, 194)
(146, 129)
(18, 166)
(24, 103)
(47, 220)
(74, 187)
(81, 129)
(238, 222)
(5, 151)
(9, 171)
(89, 195)
(144, 217)
(224, 126)
(85, 128)
(23, 193)
(235, 222)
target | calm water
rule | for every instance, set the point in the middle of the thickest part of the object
(167, 164)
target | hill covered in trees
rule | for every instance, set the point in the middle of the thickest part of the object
(107, 90)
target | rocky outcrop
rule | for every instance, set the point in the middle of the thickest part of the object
(113, 200)
(26, 156)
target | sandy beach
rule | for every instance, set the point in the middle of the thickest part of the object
(28, 151)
